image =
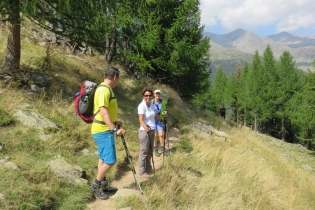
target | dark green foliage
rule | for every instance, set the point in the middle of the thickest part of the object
(168, 45)
(9, 9)
(160, 39)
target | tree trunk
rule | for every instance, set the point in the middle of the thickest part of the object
(112, 49)
(255, 123)
(107, 47)
(282, 129)
(308, 145)
(245, 117)
(13, 54)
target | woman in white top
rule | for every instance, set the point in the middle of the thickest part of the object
(147, 117)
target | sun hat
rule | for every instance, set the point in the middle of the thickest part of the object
(157, 91)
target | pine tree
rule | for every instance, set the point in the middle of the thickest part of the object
(169, 45)
(256, 84)
(302, 110)
(243, 93)
(230, 95)
(268, 91)
(218, 90)
(287, 83)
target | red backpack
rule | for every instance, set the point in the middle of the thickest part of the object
(84, 101)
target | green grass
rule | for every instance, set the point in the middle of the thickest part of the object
(5, 118)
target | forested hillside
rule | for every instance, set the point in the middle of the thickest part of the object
(159, 39)
(272, 96)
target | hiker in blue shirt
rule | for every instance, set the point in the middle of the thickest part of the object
(160, 110)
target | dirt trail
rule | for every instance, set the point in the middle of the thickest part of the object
(127, 179)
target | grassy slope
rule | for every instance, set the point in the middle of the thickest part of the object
(250, 172)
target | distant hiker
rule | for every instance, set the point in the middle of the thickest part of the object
(146, 116)
(222, 111)
(160, 110)
(103, 131)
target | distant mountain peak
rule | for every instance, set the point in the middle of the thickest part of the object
(240, 45)
(239, 30)
(236, 32)
(284, 33)
(292, 40)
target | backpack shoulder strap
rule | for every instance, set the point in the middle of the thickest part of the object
(110, 98)
(111, 94)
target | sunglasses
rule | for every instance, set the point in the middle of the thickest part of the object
(147, 95)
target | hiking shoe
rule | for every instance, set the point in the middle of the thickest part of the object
(156, 152)
(150, 172)
(95, 190)
(106, 188)
(163, 150)
(144, 175)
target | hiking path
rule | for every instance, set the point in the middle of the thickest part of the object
(126, 179)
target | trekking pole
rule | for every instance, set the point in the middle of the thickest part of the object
(133, 169)
(164, 139)
(151, 146)
(168, 141)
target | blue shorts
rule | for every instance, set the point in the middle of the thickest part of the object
(158, 126)
(106, 146)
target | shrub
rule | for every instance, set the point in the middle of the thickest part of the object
(5, 118)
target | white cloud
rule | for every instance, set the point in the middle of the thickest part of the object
(295, 22)
(287, 15)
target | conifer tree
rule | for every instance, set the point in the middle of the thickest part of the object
(268, 91)
(243, 93)
(230, 95)
(169, 45)
(287, 83)
(302, 110)
(256, 84)
(218, 90)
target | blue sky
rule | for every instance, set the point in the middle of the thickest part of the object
(263, 17)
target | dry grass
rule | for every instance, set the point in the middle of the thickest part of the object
(246, 173)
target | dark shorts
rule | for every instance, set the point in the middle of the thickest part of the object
(106, 146)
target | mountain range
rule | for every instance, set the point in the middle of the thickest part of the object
(240, 45)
